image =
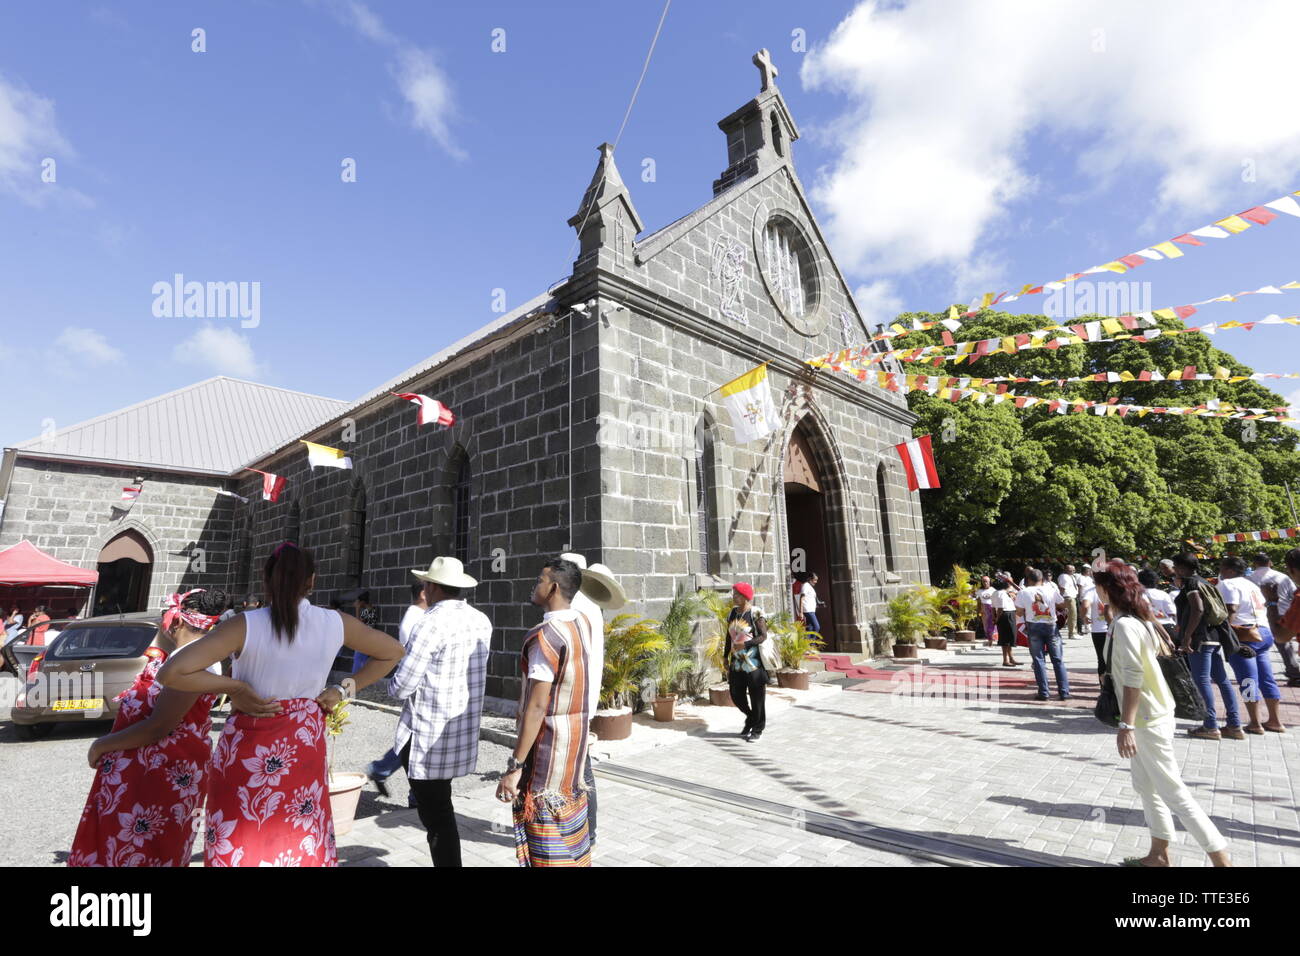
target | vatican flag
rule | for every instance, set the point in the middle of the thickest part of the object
(748, 400)
(326, 457)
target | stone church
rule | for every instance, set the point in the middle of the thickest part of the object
(589, 419)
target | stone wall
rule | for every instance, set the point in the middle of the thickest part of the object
(70, 511)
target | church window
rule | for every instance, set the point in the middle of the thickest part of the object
(356, 539)
(460, 513)
(788, 264)
(886, 532)
(705, 477)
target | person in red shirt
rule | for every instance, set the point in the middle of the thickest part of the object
(40, 622)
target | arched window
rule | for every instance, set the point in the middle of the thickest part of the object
(776, 135)
(356, 539)
(886, 532)
(789, 266)
(243, 583)
(293, 523)
(460, 513)
(705, 482)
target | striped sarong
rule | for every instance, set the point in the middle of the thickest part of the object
(553, 837)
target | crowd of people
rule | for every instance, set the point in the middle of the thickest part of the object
(263, 791)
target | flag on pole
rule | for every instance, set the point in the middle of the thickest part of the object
(918, 462)
(325, 456)
(272, 485)
(432, 411)
(130, 494)
(230, 494)
(748, 401)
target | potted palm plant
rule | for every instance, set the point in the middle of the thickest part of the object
(345, 788)
(667, 666)
(964, 607)
(934, 605)
(905, 619)
(718, 609)
(630, 643)
(795, 644)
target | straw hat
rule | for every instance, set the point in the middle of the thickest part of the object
(448, 572)
(599, 584)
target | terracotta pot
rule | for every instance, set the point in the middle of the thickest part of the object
(613, 725)
(720, 696)
(936, 643)
(663, 708)
(345, 794)
(904, 650)
(964, 637)
(793, 680)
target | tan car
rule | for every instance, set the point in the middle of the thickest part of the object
(81, 668)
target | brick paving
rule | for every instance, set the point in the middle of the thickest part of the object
(1037, 779)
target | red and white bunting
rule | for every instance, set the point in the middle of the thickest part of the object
(432, 411)
(272, 485)
(918, 462)
(130, 494)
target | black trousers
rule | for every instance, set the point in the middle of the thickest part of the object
(433, 803)
(589, 779)
(749, 694)
(1099, 643)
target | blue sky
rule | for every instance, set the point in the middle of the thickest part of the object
(948, 150)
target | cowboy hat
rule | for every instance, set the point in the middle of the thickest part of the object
(599, 584)
(577, 559)
(448, 572)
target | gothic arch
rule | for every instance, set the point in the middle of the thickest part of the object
(355, 546)
(452, 521)
(707, 490)
(839, 523)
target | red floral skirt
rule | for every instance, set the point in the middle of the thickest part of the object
(143, 808)
(268, 793)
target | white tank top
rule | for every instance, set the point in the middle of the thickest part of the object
(280, 669)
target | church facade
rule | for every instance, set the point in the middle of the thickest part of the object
(589, 420)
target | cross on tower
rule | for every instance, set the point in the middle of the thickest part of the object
(766, 68)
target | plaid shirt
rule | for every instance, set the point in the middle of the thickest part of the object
(441, 681)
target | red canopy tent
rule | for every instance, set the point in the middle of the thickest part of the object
(25, 565)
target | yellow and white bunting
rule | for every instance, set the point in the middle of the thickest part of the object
(748, 400)
(324, 456)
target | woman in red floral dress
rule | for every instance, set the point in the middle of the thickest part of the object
(268, 793)
(151, 770)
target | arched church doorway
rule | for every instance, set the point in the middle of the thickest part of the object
(125, 566)
(808, 536)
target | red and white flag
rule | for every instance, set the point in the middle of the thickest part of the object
(918, 462)
(130, 494)
(272, 485)
(432, 411)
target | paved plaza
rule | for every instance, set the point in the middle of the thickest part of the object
(856, 771)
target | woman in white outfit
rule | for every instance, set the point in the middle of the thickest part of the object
(1146, 729)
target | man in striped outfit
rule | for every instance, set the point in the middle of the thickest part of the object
(544, 775)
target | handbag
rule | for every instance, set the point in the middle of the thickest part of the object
(1188, 702)
(1107, 707)
(769, 655)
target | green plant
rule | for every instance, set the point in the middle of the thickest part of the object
(794, 642)
(933, 603)
(680, 671)
(961, 599)
(667, 667)
(718, 608)
(630, 644)
(335, 721)
(905, 617)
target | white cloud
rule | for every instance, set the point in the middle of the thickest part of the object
(223, 350)
(878, 302)
(28, 136)
(943, 99)
(423, 83)
(88, 345)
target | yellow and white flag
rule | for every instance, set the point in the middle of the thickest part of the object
(748, 401)
(326, 457)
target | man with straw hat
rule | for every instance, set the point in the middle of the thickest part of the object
(599, 590)
(440, 682)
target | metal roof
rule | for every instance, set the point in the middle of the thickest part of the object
(211, 427)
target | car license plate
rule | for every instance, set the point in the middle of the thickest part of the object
(84, 703)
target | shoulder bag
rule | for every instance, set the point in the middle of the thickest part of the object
(1188, 702)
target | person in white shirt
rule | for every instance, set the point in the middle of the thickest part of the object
(808, 603)
(1094, 612)
(1247, 616)
(380, 770)
(988, 617)
(1037, 604)
(1068, 582)
(1146, 724)
(1263, 574)
(1162, 605)
(1004, 606)
(599, 590)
